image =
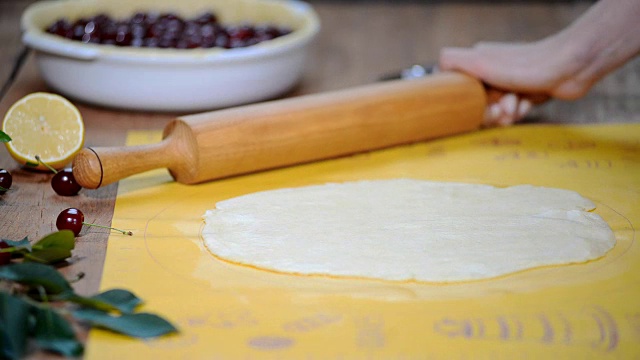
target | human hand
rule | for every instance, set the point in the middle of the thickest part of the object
(518, 76)
(563, 66)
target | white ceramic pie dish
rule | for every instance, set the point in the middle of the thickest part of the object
(172, 79)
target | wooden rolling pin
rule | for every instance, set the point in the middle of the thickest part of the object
(218, 144)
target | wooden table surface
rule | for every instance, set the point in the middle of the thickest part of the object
(359, 42)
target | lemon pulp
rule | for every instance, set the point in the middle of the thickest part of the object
(45, 125)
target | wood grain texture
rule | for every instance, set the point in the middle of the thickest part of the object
(272, 134)
(359, 42)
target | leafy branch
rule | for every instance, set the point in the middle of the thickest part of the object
(38, 304)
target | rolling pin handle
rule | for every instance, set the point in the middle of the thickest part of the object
(87, 169)
(101, 166)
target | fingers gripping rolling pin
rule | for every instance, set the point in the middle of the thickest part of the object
(212, 145)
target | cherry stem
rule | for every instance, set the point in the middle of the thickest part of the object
(79, 276)
(124, 232)
(46, 165)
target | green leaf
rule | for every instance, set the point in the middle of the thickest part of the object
(121, 300)
(14, 326)
(19, 244)
(54, 333)
(34, 274)
(52, 248)
(63, 239)
(4, 137)
(141, 325)
(48, 256)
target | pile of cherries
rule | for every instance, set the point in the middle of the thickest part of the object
(166, 30)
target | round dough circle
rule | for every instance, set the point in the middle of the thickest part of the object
(406, 229)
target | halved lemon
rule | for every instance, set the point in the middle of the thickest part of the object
(45, 125)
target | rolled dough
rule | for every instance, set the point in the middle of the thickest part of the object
(405, 229)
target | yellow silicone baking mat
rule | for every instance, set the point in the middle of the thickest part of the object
(227, 311)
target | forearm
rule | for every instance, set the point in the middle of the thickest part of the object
(601, 40)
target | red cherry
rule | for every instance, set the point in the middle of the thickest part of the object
(73, 219)
(5, 257)
(5, 181)
(64, 184)
(70, 219)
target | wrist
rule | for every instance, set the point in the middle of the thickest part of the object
(570, 58)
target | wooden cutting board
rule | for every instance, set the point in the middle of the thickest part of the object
(587, 310)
